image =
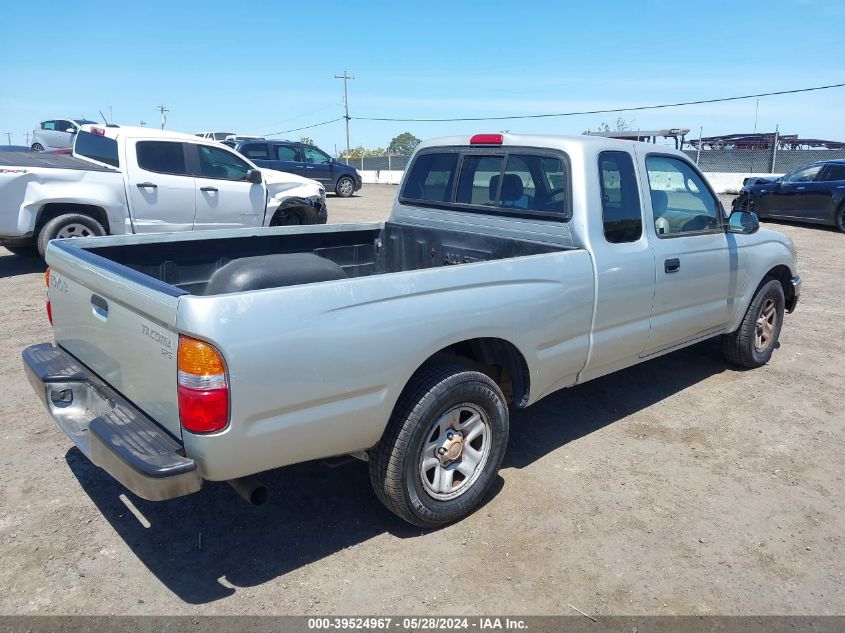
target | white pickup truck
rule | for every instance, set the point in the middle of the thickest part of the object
(138, 180)
(510, 267)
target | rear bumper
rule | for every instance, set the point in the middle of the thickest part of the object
(792, 302)
(108, 429)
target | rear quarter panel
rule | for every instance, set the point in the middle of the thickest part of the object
(315, 370)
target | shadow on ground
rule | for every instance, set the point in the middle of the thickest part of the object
(14, 265)
(315, 511)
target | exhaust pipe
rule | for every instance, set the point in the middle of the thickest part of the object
(252, 490)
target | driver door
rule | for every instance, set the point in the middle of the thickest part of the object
(697, 263)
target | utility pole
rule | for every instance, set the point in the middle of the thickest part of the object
(9, 138)
(27, 138)
(345, 78)
(162, 110)
(143, 123)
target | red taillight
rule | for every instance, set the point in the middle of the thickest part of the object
(203, 387)
(98, 131)
(49, 307)
(49, 312)
(486, 139)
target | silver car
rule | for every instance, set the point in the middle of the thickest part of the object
(56, 134)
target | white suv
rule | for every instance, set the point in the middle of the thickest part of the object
(56, 133)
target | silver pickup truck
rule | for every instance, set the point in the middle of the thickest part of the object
(510, 267)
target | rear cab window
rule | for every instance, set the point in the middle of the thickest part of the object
(99, 148)
(512, 181)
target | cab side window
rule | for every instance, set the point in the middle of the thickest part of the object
(256, 151)
(833, 172)
(162, 157)
(680, 200)
(807, 174)
(620, 198)
(221, 164)
(287, 153)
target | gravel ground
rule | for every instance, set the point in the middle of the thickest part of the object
(682, 486)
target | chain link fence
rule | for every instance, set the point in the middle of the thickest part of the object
(759, 161)
(756, 161)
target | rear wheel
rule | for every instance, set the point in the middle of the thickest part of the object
(68, 226)
(840, 218)
(755, 340)
(443, 446)
(345, 187)
(37, 147)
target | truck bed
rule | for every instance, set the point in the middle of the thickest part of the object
(48, 161)
(381, 249)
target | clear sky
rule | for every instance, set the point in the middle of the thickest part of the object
(262, 67)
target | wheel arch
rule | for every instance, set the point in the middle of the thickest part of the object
(783, 275)
(55, 209)
(498, 358)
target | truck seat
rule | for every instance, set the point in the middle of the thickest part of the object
(272, 271)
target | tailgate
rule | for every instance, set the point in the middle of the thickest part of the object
(120, 324)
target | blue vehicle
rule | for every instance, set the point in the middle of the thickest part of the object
(303, 160)
(812, 193)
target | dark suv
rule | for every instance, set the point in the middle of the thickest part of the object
(303, 160)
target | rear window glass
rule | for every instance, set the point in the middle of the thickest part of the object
(256, 152)
(99, 148)
(479, 181)
(431, 177)
(163, 157)
(533, 183)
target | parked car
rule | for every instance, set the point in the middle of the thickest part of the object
(510, 267)
(141, 180)
(56, 133)
(813, 193)
(304, 160)
(214, 136)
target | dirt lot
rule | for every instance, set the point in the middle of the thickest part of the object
(682, 486)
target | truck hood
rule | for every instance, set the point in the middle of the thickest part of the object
(278, 181)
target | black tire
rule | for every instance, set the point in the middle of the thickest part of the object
(37, 147)
(287, 217)
(88, 226)
(22, 251)
(396, 462)
(345, 187)
(741, 346)
(840, 217)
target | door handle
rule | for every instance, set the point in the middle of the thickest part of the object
(800, 188)
(210, 189)
(100, 305)
(309, 167)
(146, 185)
(672, 265)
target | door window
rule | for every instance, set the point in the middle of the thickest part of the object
(680, 200)
(256, 151)
(162, 157)
(314, 155)
(806, 174)
(287, 153)
(48, 125)
(620, 199)
(833, 172)
(63, 126)
(216, 162)
(480, 179)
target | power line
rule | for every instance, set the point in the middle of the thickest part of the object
(307, 127)
(607, 111)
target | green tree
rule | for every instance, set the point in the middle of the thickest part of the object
(306, 139)
(404, 144)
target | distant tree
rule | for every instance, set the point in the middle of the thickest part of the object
(619, 125)
(355, 152)
(306, 139)
(404, 144)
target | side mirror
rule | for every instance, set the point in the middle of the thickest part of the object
(745, 222)
(71, 130)
(253, 176)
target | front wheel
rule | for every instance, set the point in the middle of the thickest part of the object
(755, 340)
(840, 217)
(345, 187)
(443, 446)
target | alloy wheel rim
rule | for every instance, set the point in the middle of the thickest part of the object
(345, 187)
(767, 321)
(74, 229)
(455, 451)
